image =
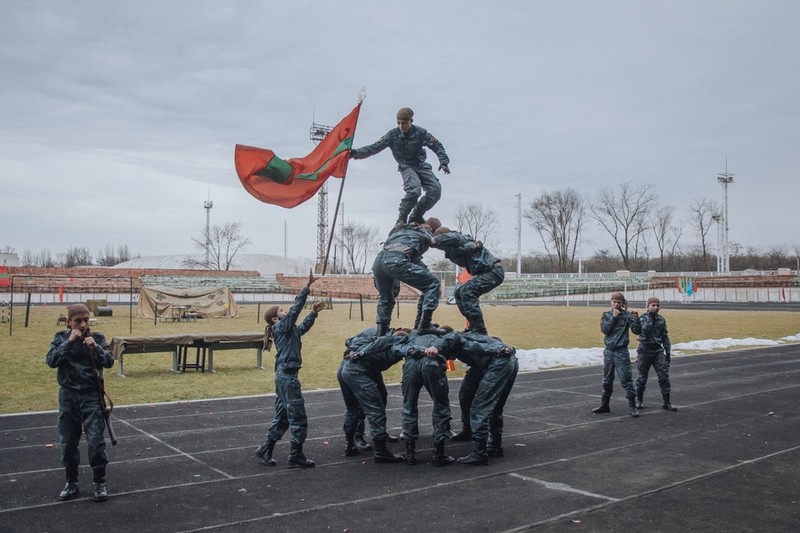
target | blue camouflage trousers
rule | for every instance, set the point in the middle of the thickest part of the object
(290, 408)
(618, 360)
(658, 360)
(415, 180)
(466, 392)
(391, 267)
(491, 397)
(429, 373)
(362, 397)
(78, 412)
(467, 295)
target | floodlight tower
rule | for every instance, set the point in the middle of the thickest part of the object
(207, 205)
(317, 133)
(725, 179)
(717, 218)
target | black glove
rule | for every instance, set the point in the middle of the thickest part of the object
(444, 168)
(668, 357)
(352, 153)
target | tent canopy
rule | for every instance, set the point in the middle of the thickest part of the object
(206, 302)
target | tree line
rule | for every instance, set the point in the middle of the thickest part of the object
(646, 235)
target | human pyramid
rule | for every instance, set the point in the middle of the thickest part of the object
(80, 355)
(425, 348)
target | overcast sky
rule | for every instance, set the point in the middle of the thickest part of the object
(120, 118)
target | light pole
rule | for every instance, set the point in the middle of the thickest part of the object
(717, 218)
(519, 234)
(725, 179)
(207, 205)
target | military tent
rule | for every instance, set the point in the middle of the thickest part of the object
(169, 302)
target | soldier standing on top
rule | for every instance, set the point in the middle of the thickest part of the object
(407, 143)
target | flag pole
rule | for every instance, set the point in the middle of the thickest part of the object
(333, 226)
(361, 95)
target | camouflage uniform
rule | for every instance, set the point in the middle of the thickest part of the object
(408, 150)
(616, 355)
(290, 409)
(654, 350)
(401, 260)
(362, 392)
(499, 365)
(79, 402)
(486, 270)
(354, 416)
(420, 371)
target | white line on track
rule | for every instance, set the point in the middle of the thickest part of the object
(177, 450)
(562, 487)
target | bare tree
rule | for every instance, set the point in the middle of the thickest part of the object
(109, 257)
(219, 244)
(623, 213)
(7, 250)
(702, 218)
(558, 217)
(359, 241)
(74, 256)
(665, 233)
(475, 220)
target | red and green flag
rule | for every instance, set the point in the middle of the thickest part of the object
(290, 182)
(5, 279)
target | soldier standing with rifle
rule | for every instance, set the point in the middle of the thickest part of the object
(80, 357)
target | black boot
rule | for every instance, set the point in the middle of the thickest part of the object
(603, 408)
(264, 452)
(604, 400)
(667, 405)
(297, 458)
(362, 445)
(383, 455)
(439, 457)
(383, 329)
(477, 325)
(462, 436)
(477, 457)
(350, 448)
(416, 217)
(495, 446)
(639, 398)
(411, 453)
(632, 405)
(425, 326)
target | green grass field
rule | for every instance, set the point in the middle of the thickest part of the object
(28, 384)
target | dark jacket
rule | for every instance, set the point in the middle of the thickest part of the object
(465, 251)
(287, 334)
(74, 360)
(616, 329)
(380, 353)
(413, 241)
(473, 349)
(654, 333)
(407, 149)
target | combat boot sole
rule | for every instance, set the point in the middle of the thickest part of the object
(473, 459)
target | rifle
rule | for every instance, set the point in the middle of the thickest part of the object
(106, 404)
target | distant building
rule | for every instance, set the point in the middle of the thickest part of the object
(10, 260)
